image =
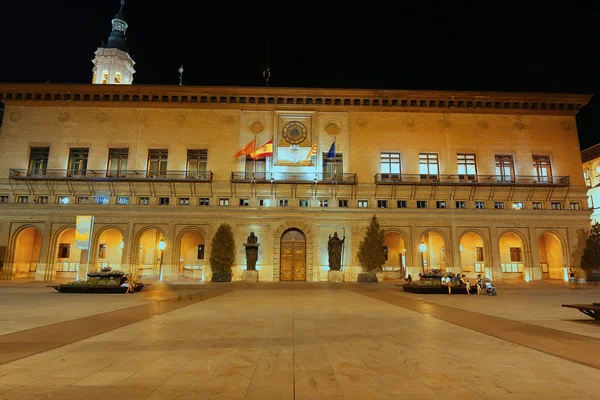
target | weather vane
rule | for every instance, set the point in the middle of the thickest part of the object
(180, 72)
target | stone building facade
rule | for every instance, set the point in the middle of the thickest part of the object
(465, 182)
(591, 174)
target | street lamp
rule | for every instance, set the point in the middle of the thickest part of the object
(423, 249)
(161, 246)
(460, 247)
(122, 244)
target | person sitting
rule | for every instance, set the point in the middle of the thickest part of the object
(408, 279)
(464, 281)
(446, 281)
(456, 279)
(128, 283)
(480, 285)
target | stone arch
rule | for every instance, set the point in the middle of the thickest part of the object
(307, 231)
(176, 255)
(447, 260)
(553, 273)
(134, 255)
(53, 248)
(11, 249)
(487, 251)
(405, 239)
(96, 240)
(524, 242)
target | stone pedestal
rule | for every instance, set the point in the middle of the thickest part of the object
(250, 276)
(335, 276)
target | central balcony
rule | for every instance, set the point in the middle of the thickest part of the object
(293, 178)
(95, 175)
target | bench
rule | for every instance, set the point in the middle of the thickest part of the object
(591, 310)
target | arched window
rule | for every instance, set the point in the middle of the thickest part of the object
(118, 78)
(105, 77)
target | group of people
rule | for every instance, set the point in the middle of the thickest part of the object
(462, 281)
(127, 281)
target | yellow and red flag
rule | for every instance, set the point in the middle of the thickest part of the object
(265, 151)
(247, 150)
(311, 152)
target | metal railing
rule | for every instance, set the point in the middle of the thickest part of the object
(293, 177)
(110, 175)
(425, 179)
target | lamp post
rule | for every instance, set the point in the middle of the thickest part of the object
(122, 244)
(161, 246)
(423, 249)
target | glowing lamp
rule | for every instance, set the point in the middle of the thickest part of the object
(460, 248)
(422, 247)
(162, 245)
(122, 244)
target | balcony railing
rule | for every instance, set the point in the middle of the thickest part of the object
(484, 180)
(293, 177)
(109, 175)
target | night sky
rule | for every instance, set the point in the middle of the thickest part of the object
(501, 45)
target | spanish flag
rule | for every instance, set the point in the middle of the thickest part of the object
(247, 150)
(265, 151)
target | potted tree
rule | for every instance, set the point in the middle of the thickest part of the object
(370, 252)
(222, 254)
(590, 259)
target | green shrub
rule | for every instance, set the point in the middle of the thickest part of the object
(370, 250)
(222, 250)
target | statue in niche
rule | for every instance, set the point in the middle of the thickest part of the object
(251, 246)
(334, 247)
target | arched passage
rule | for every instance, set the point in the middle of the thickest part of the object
(67, 257)
(27, 253)
(149, 262)
(472, 253)
(512, 255)
(394, 247)
(432, 247)
(551, 255)
(192, 254)
(293, 256)
(109, 249)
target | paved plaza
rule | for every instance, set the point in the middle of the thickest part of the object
(297, 341)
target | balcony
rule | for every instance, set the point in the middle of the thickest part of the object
(109, 175)
(479, 180)
(293, 178)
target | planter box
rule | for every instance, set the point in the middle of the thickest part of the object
(102, 289)
(367, 278)
(423, 289)
(221, 277)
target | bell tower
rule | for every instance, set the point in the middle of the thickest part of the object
(113, 65)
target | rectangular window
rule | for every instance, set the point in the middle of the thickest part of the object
(323, 203)
(244, 202)
(256, 168)
(263, 202)
(574, 206)
(224, 202)
(82, 199)
(22, 199)
(204, 201)
(157, 162)
(363, 203)
(479, 253)
(184, 201)
(3, 199)
(499, 205)
(38, 161)
(343, 203)
(143, 201)
(461, 204)
(64, 250)
(515, 254)
(421, 204)
(197, 164)
(63, 199)
(123, 200)
(102, 251)
(284, 202)
(200, 252)
(103, 200)
(390, 166)
(333, 168)
(536, 205)
(117, 163)
(556, 205)
(382, 204)
(518, 205)
(505, 168)
(480, 204)
(440, 204)
(42, 200)
(303, 203)
(543, 169)
(402, 204)
(467, 167)
(163, 201)
(428, 166)
(78, 158)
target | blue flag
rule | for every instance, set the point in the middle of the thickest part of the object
(331, 152)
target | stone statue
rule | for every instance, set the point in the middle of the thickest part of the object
(251, 246)
(335, 252)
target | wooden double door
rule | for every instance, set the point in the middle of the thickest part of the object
(293, 256)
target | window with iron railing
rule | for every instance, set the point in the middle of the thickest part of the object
(467, 167)
(157, 162)
(505, 168)
(38, 161)
(78, 159)
(117, 162)
(197, 163)
(256, 168)
(543, 169)
(429, 166)
(390, 166)
(333, 168)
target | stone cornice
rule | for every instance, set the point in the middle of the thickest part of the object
(291, 98)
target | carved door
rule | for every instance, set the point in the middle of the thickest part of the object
(293, 256)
